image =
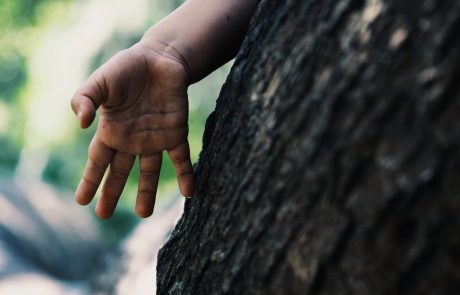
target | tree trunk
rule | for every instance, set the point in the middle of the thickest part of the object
(331, 163)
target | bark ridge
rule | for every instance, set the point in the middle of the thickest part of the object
(331, 163)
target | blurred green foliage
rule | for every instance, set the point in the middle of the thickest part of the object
(15, 17)
(20, 20)
(18, 13)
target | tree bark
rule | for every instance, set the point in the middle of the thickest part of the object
(331, 163)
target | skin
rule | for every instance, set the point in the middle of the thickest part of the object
(141, 97)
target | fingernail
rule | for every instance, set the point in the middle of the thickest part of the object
(189, 197)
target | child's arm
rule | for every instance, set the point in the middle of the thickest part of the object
(141, 94)
(206, 33)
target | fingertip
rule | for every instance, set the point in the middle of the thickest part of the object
(143, 211)
(85, 110)
(82, 200)
(103, 216)
(187, 185)
(102, 212)
(83, 194)
(86, 118)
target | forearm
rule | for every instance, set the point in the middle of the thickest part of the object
(205, 33)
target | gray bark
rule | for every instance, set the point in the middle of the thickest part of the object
(331, 163)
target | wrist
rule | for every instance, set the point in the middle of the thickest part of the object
(166, 48)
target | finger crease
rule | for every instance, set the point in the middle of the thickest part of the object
(184, 173)
(180, 160)
(150, 173)
(89, 181)
(146, 191)
(97, 165)
(118, 174)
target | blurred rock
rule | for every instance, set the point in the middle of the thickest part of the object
(47, 244)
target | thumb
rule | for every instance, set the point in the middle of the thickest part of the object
(87, 99)
(85, 110)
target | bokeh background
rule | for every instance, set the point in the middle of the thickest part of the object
(47, 49)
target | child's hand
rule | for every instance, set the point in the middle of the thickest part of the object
(142, 95)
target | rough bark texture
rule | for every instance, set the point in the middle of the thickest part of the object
(331, 163)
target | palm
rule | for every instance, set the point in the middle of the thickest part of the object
(146, 111)
(143, 112)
